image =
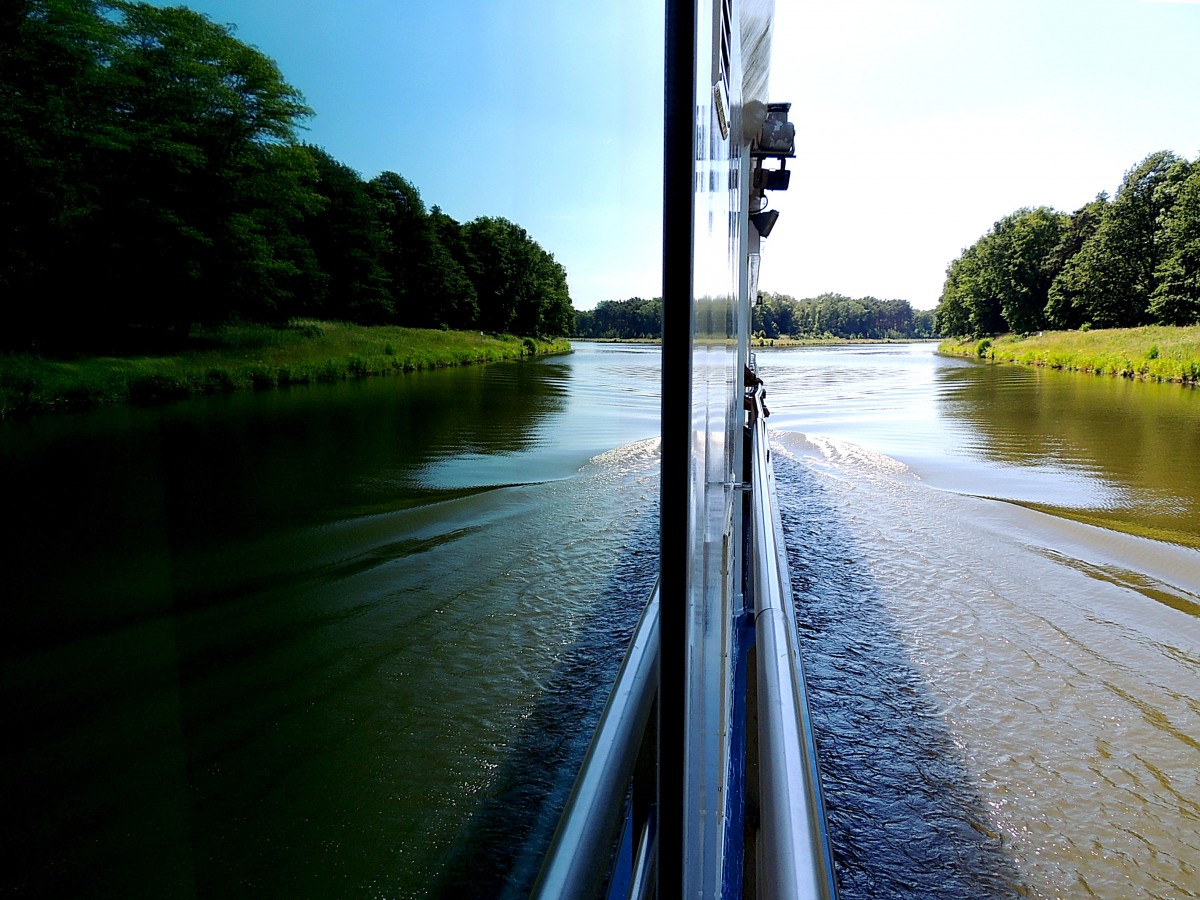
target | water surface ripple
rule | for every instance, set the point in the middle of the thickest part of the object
(350, 640)
(1007, 697)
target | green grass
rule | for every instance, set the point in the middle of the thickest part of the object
(1152, 353)
(249, 357)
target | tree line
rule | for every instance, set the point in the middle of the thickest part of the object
(155, 182)
(777, 315)
(1122, 262)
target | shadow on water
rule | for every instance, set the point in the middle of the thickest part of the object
(499, 853)
(115, 504)
(904, 818)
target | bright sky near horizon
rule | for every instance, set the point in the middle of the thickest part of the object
(919, 122)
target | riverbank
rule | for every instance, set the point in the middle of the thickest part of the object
(778, 342)
(1152, 353)
(809, 341)
(250, 357)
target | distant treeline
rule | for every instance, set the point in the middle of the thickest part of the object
(1130, 261)
(154, 181)
(778, 315)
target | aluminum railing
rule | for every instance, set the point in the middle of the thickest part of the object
(581, 852)
(794, 859)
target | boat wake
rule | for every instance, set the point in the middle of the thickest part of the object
(1003, 699)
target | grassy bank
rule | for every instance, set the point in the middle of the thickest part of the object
(249, 357)
(1153, 353)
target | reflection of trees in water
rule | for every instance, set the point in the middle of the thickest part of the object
(110, 501)
(497, 410)
(1142, 436)
(352, 447)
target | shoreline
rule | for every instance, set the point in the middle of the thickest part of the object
(1160, 353)
(249, 358)
(773, 342)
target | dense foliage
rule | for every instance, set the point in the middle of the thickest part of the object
(155, 182)
(836, 315)
(1129, 261)
(624, 319)
(778, 315)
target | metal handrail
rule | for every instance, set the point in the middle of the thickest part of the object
(579, 860)
(794, 858)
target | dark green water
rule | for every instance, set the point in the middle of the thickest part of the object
(311, 643)
(350, 640)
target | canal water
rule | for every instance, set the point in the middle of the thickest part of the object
(999, 597)
(350, 640)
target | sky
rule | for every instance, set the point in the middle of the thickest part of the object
(919, 122)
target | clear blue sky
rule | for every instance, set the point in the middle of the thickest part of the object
(920, 122)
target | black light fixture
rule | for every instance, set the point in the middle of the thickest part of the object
(764, 221)
(771, 179)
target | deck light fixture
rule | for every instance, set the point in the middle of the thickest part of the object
(764, 221)
(775, 139)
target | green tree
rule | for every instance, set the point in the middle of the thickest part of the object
(204, 181)
(349, 241)
(160, 164)
(430, 287)
(1176, 298)
(1025, 240)
(1108, 283)
(1001, 282)
(774, 316)
(970, 301)
(463, 302)
(1061, 312)
(54, 106)
(521, 288)
(156, 179)
(633, 318)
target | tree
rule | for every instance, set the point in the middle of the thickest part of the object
(462, 301)
(53, 109)
(1176, 298)
(161, 164)
(970, 301)
(1025, 240)
(632, 318)
(348, 240)
(1001, 282)
(521, 288)
(775, 316)
(430, 286)
(1108, 283)
(155, 178)
(1061, 312)
(205, 182)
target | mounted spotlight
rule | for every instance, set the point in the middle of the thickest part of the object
(778, 135)
(764, 221)
(770, 179)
